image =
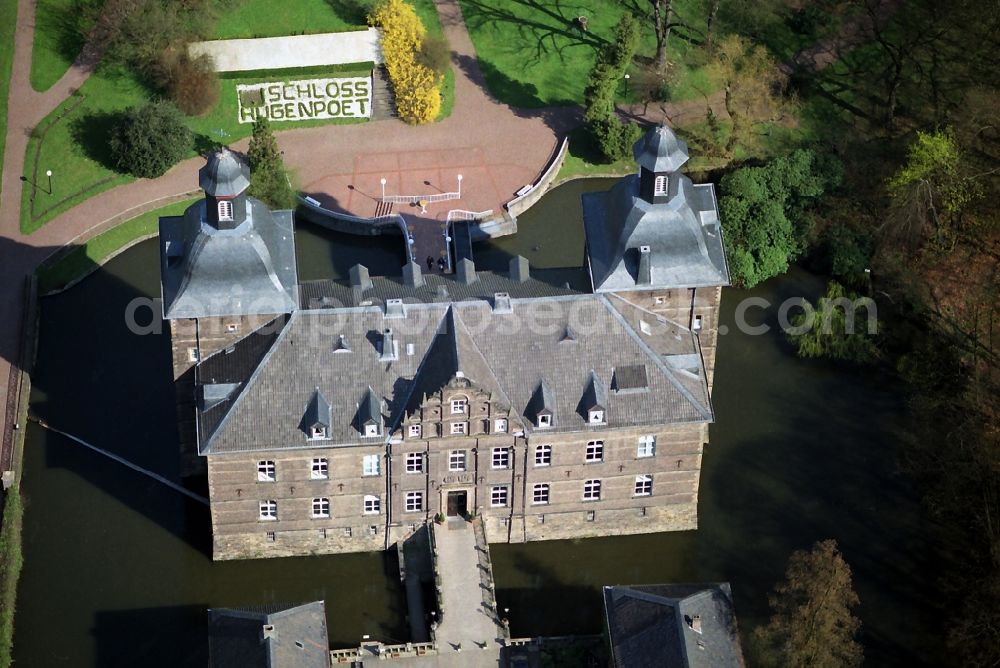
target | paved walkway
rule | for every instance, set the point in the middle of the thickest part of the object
(466, 627)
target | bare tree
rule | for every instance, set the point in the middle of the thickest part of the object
(662, 13)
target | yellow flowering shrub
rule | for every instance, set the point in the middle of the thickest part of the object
(417, 87)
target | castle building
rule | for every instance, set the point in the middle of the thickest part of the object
(339, 417)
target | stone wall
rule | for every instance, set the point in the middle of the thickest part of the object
(519, 205)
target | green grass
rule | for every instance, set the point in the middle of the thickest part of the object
(8, 19)
(81, 260)
(11, 561)
(263, 18)
(533, 55)
(55, 46)
(584, 159)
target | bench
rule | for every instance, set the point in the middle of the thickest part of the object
(525, 190)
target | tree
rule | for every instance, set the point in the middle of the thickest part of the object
(812, 625)
(147, 141)
(612, 137)
(837, 328)
(662, 13)
(268, 176)
(765, 212)
(931, 189)
(753, 87)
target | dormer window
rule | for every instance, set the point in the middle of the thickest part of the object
(659, 186)
(317, 432)
(371, 430)
(596, 417)
(544, 421)
(225, 210)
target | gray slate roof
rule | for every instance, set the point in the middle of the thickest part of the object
(224, 175)
(653, 626)
(248, 270)
(660, 150)
(507, 354)
(296, 638)
(684, 236)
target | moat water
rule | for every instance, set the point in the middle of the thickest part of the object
(117, 568)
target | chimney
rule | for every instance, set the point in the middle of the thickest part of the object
(267, 632)
(394, 308)
(501, 303)
(360, 278)
(388, 352)
(413, 276)
(644, 276)
(466, 271)
(519, 269)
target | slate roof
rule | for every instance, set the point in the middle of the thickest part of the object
(660, 150)
(653, 626)
(224, 175)
(249, 270)
(507, 354)
(296, 638)
(684, 237)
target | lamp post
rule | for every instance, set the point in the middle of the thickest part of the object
(627, 77)
(459, 186)
(48, 173)
(382, 180)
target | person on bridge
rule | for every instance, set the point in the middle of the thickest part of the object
(442, 264)
(430, 263)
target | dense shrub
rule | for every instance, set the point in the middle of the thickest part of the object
(435, 53)
(417, 86)
(268, 176)
(191, 82)
(765, 212)
(609, 134)
(148, 140)
(837, 328)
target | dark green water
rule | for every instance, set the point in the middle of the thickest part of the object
(117, 572)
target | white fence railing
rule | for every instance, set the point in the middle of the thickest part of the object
(416, 199)
(462, 214)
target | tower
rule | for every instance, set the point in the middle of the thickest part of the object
(227, 268)
(655, 239)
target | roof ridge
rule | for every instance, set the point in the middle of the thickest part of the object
(489, 368)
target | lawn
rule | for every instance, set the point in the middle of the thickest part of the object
(262, 18)
(56, 43)
(81, 260)
(533, 54)
(8, 16)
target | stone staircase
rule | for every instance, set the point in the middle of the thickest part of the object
(383, 97)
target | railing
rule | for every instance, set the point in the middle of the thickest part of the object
(486, 572)
(310, 203)
(345, 655)
(545, 178)
(416, 199)
(462, 214)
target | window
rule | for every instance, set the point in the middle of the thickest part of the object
(414, 462)
(500, 426)
(232, 327)
(543, 455)
(373, 505)
(544, 421)
(347, 532)
(321, 507)
(225, 210)
(595, 451)
(660, 185)
(643, 485)
(591, 515)
(540, 494)
(317, 432)
(265, 471)
(647, 446)
(459, 428)
(372, 465)
(320, 469)
(596, 417)
(268, 510)
(193, 355)
(501, 458)
(415, 430)
(458, 406)
(414, 502)
(373, 530)
(592, 490)
(271, 536)
(371, 430)
(456, 460)
(498, 496)
(696, 325)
